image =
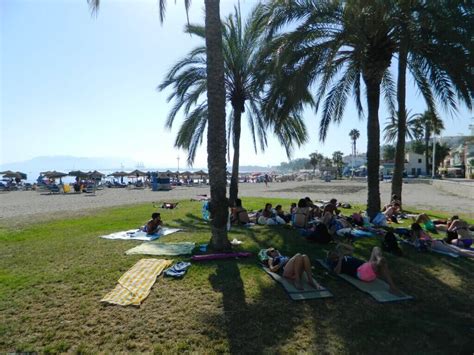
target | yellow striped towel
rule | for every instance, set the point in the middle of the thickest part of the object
(135, 285)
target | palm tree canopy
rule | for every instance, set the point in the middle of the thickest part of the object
(244, 86)
(354, 134)
(414, 129)
(334, 45)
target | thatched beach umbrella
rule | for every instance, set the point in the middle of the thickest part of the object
(77, 173)
(137, 173)
(54, 174)
(96, 175)
(119, 174)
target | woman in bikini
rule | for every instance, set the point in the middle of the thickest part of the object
(292, 268)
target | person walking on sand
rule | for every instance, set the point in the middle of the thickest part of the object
(266, 178)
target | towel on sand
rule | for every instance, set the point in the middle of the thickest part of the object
(155, 248)
(378, 289)
(308, 293)
(134, 286)
(136, 234)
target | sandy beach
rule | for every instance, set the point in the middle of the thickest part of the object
(17, 206)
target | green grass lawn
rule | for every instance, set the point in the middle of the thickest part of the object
(53, 275)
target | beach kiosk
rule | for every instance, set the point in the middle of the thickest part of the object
(163, 182)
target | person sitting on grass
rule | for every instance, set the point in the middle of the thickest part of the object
(292, 268)
(341, 261)
(460, 230)
(423, 241)
(269, 217)
(154, 224)
(280, 213)
(239, 214)
(392, 211)
(301, 215)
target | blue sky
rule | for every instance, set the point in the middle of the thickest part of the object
(72, 84)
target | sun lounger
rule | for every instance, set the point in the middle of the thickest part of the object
(378, 288)
(308, 293)
(135, 285)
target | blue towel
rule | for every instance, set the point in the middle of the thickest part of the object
(178, 270)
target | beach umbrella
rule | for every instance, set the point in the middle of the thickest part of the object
(77, 173)
(95, 175)
(54, 174)
(9, 174)
(119, 174)
(137, 172)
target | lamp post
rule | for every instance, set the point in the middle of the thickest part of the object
(178, 163)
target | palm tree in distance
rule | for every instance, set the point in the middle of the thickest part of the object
(315, 159)
(338, 43)
(354, 134)
(338, 163)
(243, 70)
(432, 125)
(435, 44)
(216, 134)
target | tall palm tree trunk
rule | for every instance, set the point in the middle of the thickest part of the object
(216, 145)
(397, 180)
(373, 147)
(234, 180)
(427, 146)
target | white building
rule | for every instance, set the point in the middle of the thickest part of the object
(415, 164)
(358, 160)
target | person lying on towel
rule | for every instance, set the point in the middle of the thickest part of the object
(291, 268)
(423, 241)
(341, 261)
(154, 224)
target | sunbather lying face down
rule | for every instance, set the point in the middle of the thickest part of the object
(291, 268)
(341, 261)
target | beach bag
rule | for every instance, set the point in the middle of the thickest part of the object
(390, 244)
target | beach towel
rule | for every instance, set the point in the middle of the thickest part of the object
(220, 256)
(308, 293)
(136, 234)
(155, 248)
(135, 285)
(378, 288)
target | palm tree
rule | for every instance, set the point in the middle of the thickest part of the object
(413, 130)
(354, 134)
(242, 71)
(337, 160)
(216, 135)
(432, 125)
(434, 39)
(339, 43)
(315, 159)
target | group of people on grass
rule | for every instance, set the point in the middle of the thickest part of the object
(322, 223)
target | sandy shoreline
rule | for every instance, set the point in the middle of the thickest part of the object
(21, 205)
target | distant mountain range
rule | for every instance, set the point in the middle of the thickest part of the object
(68, 163)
